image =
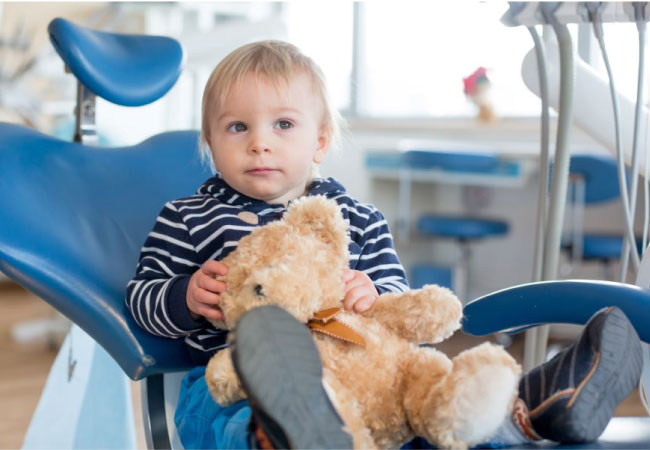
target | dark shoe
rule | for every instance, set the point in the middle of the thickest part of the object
(571, 398)
(280, 369)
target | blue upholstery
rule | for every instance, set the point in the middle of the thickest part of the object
(573, 301)
(462, 228)
(129, 70)
(73, 220)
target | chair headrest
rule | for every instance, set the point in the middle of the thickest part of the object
(129, 70)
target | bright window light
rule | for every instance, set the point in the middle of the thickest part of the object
(323, 30)
(417, 54)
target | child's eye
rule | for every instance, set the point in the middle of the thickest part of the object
(283, 125)
(237, 127)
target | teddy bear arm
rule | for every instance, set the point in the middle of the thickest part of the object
(222, 380)
(427, 315)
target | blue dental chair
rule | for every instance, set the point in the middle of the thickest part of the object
(74, 217)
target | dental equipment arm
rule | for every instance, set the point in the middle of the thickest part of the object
(542, 189)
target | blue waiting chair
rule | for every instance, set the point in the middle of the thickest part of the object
(74, 217)
(594, 181)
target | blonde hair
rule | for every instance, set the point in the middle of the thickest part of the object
(278, 61)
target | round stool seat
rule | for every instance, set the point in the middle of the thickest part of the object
(462, 228)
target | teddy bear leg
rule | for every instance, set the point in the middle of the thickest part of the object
(468, 405)
(348, 408)
(426, 371)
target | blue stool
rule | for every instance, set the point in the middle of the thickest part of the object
(593, 180)
(465, 230)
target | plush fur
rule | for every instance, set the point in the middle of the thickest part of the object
(393, 389)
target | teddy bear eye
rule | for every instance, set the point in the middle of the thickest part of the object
(258, 290)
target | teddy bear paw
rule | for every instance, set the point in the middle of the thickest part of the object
(486, 384)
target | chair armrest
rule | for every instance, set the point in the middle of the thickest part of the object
(571, 301)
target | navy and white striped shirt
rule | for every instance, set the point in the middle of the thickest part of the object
(192, 230)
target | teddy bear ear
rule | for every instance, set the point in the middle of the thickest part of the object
(319, 216)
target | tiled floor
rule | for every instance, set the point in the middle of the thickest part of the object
(24, 367)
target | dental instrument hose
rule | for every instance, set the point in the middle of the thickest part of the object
(542, 188)
(641, 28)
(629, 232)
(560, 176)
(542, 185)
(646, 193)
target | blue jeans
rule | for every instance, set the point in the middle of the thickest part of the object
(202, 423)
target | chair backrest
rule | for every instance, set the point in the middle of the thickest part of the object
(600, 177)
(73, 219)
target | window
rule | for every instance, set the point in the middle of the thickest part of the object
(416, 54)
(413, 56)
(622, 44)
(323, 30)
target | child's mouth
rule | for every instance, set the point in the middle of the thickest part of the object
(261, 171)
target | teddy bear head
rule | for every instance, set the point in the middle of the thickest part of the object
(296, 263)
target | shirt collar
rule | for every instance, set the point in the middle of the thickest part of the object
(219, 189)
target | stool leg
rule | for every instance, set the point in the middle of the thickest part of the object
(608, 270)
(461, 273)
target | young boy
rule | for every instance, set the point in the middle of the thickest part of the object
(267, 124)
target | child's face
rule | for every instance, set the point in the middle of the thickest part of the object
(264, 139)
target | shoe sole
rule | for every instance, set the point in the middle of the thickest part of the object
(612, 378)
(280, 369)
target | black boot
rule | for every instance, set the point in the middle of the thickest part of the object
(571, 398)
(280, 369)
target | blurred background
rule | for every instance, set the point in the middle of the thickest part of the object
(397, 71)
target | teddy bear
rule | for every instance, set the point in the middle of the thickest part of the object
(385, 384)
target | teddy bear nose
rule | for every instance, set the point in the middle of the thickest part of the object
(258, 290)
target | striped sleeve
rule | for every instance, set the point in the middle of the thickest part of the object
(156, 295)
(378, 258)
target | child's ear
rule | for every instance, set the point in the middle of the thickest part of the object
(322, 147)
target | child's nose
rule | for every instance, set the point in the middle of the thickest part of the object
(259, 144)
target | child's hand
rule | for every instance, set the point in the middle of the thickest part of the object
(360, 292)
(203, 291)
